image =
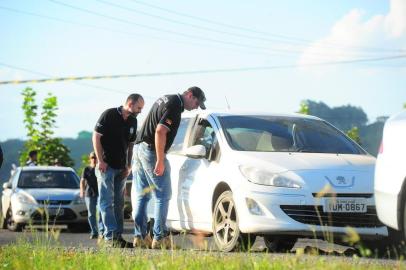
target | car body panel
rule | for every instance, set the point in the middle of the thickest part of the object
(390, 171)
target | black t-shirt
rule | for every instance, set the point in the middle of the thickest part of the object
(91, 182)
(166, 111)
(116, 136)
(1, 156)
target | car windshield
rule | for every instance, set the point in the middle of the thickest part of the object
(48, 179)
(285, 134)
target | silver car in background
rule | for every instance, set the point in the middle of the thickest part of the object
(43, 195)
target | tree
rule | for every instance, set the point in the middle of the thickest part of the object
(304, 108)
(40, 134)
(353, 133)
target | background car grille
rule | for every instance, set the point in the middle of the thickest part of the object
(308, 214)
(68, 214)
(346, 195)
(54, 202)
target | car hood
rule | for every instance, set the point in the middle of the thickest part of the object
(280, 162)
(52, 193)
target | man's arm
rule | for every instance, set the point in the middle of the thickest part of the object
(129, 158)
(98, 149)
(82, 187)
(160, 142)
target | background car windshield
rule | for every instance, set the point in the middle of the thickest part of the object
(48, 179)
(285, 134)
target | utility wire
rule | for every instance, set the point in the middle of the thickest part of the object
(208, 28)
(133, 34)
(161, 74)
(284, 37)
(185, 35)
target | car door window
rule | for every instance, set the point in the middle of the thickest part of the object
(206, 136)
(177, 145)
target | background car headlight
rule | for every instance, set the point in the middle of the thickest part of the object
(263, 177)
(24, 198)
(78, 200)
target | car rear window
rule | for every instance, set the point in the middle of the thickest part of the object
(48, 179)
(285, 134)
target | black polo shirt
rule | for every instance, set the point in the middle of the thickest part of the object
(91, 182)
(116, 136)
(166, 111)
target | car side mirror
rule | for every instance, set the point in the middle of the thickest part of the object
(196, 151)
(6, 185)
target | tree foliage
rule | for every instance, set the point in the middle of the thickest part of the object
(353, 133)
(40, 133)
(304, 107)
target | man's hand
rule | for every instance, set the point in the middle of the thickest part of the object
(82, 194)
(159, 168)
(102, 166)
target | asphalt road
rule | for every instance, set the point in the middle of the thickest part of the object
(66, 238)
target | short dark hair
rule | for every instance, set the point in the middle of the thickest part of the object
(134, 98)
(32, 153)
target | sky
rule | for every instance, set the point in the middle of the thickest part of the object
(277, 54)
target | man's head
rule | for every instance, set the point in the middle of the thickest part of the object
(92, 158)
(194, 97)
(134, 104)
(33, 155)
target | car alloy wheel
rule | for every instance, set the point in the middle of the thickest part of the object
(226, 232)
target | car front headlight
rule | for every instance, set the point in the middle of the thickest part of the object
(25, 198)
(263, 177)
(78, 200)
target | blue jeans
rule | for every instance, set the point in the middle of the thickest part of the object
(91, 205)
(111, 201)
(146, 183)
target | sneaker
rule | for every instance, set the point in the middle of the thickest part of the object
(164, 243)
(142, 243)
(123, 243)
(117, 243)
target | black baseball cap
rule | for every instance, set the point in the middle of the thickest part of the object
(199, 94)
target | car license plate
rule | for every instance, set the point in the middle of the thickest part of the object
(55, 211)
(345, 205)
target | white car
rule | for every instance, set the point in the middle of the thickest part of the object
(390, 174)
(240, 175)
(39, 195)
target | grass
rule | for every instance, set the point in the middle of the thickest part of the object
(41, 254)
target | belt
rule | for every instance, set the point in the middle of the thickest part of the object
(149, 146)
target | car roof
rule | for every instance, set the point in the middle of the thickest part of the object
(219, 113)
(399, 117)
(46, 168)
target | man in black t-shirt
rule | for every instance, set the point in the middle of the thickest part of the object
(150, 167)
(113, 141)
(1, 156)
(89, 191)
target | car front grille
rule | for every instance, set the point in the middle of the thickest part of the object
(314, 215)
(54, 202)
(68, 214)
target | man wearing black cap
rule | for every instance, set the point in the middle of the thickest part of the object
(150, 166)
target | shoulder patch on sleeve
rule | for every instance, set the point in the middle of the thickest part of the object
(168, 121)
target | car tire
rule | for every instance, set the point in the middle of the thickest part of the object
(10, 224)
(279, 243)
(3, 222)
(226, 232)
